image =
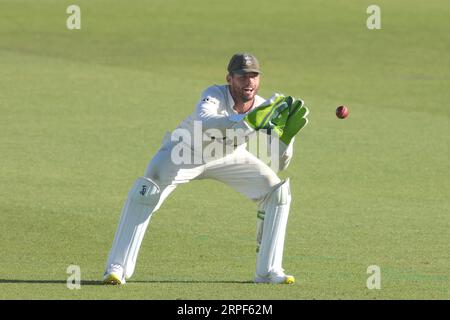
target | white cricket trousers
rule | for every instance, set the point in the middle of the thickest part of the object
(241, 170)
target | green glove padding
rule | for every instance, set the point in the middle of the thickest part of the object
(289, 121)
(284, 115)
(295, 122)
(262, 116)
(280, 119)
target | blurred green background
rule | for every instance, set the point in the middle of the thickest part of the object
(83, 111)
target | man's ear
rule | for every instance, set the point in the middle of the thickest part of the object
(228, 78)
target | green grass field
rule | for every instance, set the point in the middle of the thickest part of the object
(83, 111)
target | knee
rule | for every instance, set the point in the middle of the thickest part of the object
(152, 174)
(280, 194)
(159, 169)
(154, 171)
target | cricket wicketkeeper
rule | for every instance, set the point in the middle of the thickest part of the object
(224, 119)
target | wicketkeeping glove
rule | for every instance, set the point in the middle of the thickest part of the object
(295, 121)
(289, 121)
(263, 117)
(284, 115)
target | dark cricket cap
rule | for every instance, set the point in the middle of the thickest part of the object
(242, 63)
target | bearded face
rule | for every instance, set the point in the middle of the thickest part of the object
(243, 87)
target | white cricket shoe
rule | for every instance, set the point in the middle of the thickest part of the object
(114, 275)
(277, 278)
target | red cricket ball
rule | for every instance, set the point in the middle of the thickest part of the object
(342, 112)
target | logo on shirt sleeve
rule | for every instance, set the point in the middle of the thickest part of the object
(210, 100)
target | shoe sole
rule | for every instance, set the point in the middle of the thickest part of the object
(112, 279)
(287, 280)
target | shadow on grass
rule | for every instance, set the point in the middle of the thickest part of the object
(190, 281)
(98, 282)
(24, 281)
